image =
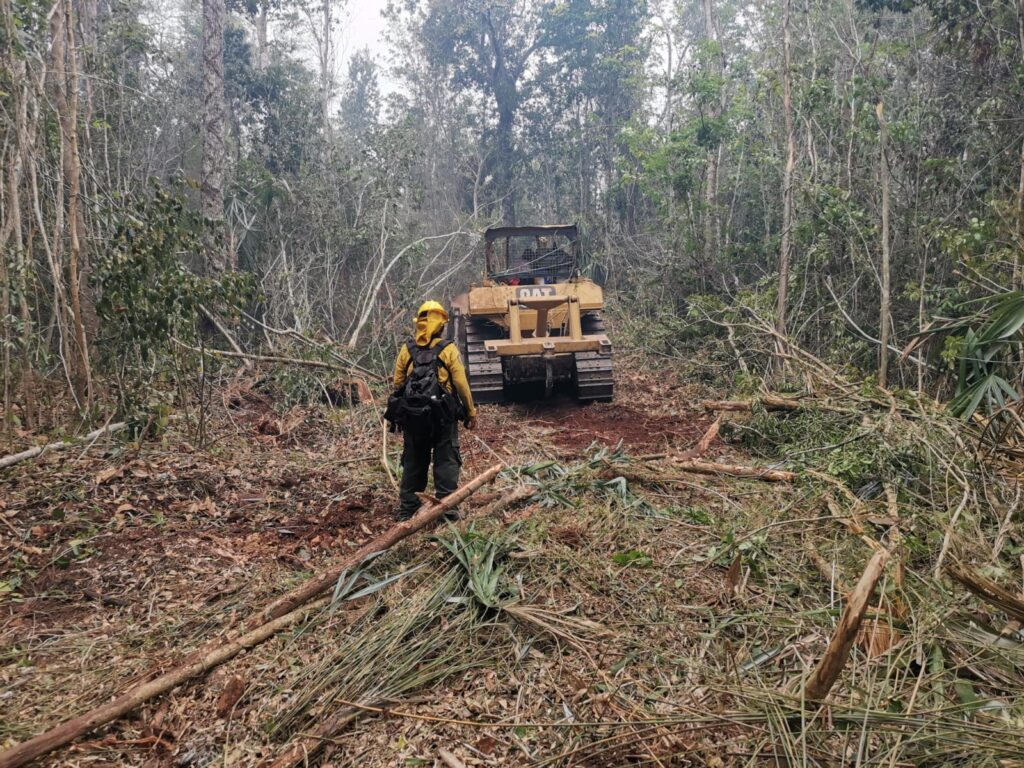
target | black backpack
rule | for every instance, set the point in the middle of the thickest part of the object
(422, 404)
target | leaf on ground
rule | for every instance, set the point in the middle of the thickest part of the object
(108, 474)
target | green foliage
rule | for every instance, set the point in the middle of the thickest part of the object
(752, 549)
(834, 443)
(634, 558)
(561, 485)
(146, 296)
(480, 555)
(987, 348)
(145, 293)
(697, 515)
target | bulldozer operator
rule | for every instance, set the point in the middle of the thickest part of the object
(431, 396)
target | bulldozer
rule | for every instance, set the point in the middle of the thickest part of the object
(534, 323)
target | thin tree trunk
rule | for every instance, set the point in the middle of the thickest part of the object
(261, 37)
(214, 153)
(10, 204)
(1016, 279)
(328, 73)
(787, 184)
(66, 93)
(883, 311)
(711, 225)
(5, 313)
(505, 174)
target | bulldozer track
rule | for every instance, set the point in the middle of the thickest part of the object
(594, 378)
(486, 379)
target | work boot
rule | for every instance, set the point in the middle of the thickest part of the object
(401, 516)
(452, 516)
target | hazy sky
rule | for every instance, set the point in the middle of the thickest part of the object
(364, 27)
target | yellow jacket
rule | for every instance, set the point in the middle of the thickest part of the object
(452, 362)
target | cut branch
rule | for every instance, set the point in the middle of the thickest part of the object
(426, 515)
(709, 437)
(831, 665)
(39, 450)
(735, 470)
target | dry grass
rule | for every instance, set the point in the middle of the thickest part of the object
(624, 614)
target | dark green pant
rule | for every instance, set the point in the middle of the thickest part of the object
(444, 444)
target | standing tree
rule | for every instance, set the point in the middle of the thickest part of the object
(65, 58)
(787, 180)
(886, 276)
(322, 21)
(711, 130)
(216, 258)
(360, 100)
(490, 45)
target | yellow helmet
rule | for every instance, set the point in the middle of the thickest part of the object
(429, 322)
(432, 306)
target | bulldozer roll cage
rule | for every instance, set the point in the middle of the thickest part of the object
(550, 251)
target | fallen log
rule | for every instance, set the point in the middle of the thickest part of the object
(831, 665)
(426, 515)
(59, 445)
(734, 470)
(987, 590)
(279, 615)
(768, 402)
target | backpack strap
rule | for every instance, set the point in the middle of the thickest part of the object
(454, 391)
(410, 347)
(437, 356)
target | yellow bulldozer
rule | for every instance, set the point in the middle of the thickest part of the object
(534, 324)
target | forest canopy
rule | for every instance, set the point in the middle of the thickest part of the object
(848, 172)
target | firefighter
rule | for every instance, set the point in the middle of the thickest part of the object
(431, 395)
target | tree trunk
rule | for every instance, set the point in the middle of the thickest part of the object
(65, 71)
(214, 153)
(506, 101)
(711, 224)
(325, 57)
(883, 311)
(1019, 229)
(504, 176)
(261, 37)
(787, 183)
(5, 313)
(10, 228)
